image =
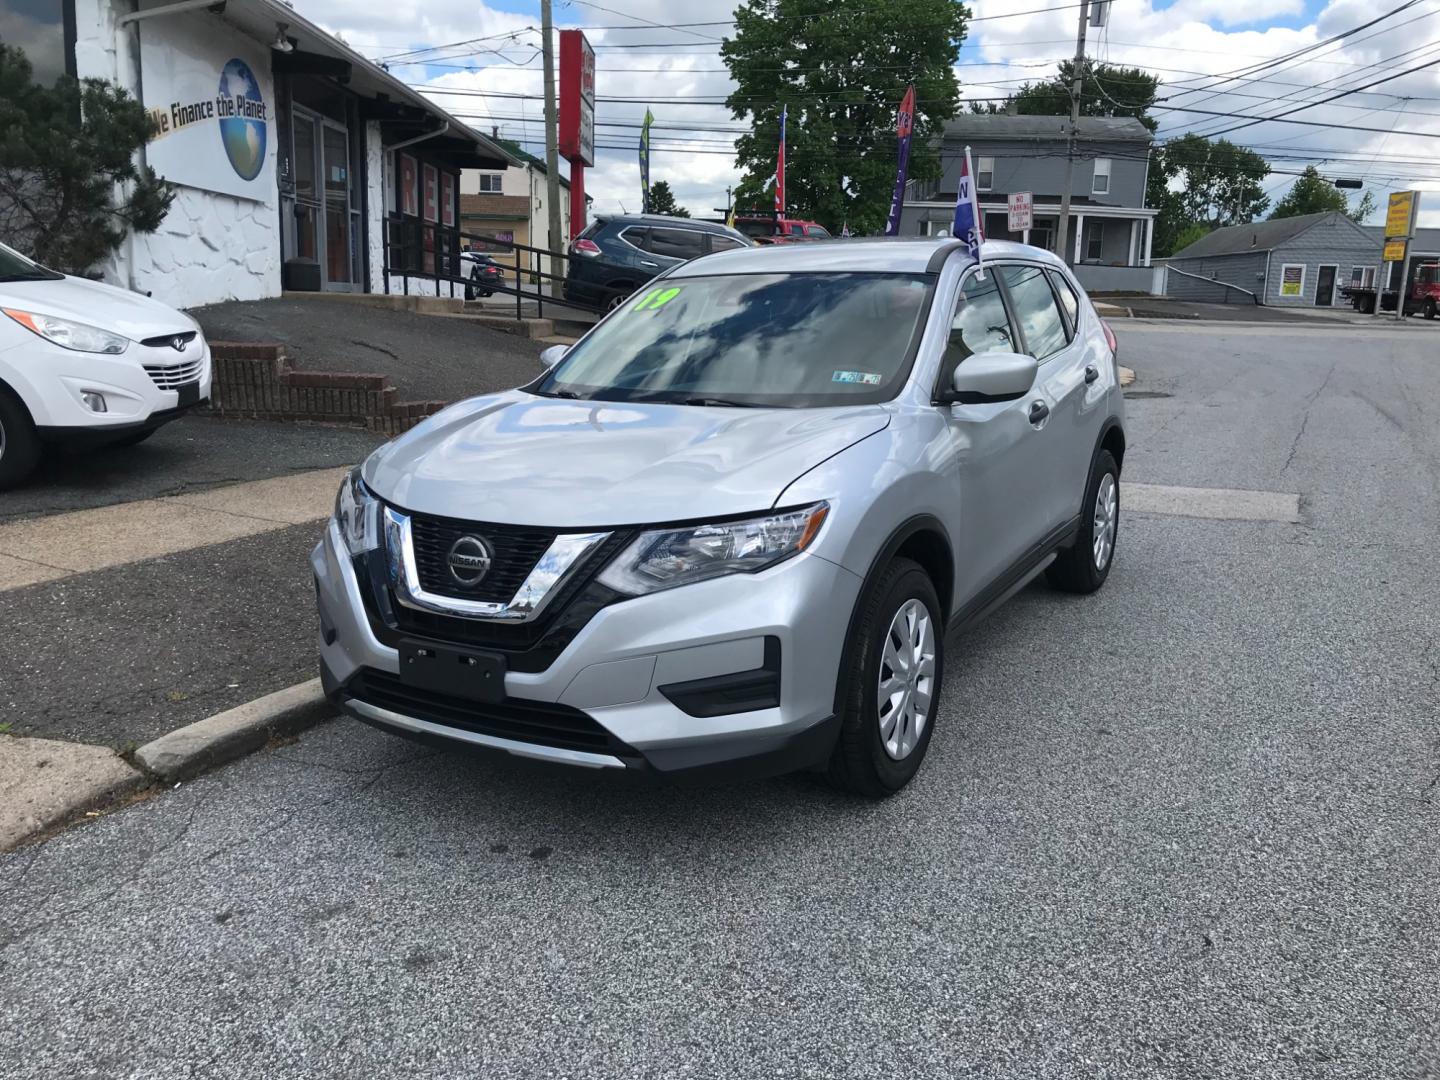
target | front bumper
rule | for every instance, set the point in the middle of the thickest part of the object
(620, 676)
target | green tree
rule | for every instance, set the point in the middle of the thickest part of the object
(63, 151)
(842, 67)
(1197, 230)
(1195, 180)
(1310, 194)
(662, 200)
(1105, 90)
(1363, 209)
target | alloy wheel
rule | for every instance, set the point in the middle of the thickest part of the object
(906, 690)
(1107, 513)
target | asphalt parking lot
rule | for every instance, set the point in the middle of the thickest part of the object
(1184, 828)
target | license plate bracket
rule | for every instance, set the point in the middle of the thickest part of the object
(189, 395)
(466, 673)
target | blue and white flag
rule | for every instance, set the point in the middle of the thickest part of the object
(967, 213)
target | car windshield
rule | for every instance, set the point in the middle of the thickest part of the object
(783, 340)
(15, 267)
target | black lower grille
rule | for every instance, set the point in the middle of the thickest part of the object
(514, 552)
(542, 723)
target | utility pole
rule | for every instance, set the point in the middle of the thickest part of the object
(1067, 246)
(554, 241)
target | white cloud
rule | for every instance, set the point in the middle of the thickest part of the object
(1188, 44)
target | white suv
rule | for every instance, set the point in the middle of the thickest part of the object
(86, 364)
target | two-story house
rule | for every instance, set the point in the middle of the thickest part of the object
(1111, 228)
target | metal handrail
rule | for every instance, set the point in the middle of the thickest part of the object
(407, 257)
(1171, 268)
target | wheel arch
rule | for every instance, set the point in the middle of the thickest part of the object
(1112, 438)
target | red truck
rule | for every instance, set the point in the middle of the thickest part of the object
(1422, 299)
(769, 229)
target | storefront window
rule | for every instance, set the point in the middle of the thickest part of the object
(45, 31)
(431, 194)
(409, 192)
(447, 199)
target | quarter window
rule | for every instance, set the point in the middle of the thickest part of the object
(724, 243)
(980, 324)
(1040, 322)
(1068, 300)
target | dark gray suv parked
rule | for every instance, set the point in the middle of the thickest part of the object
(617, 255)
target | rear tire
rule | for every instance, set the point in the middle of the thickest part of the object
(19, 444)
(1430, 308)
(1084, 567)
(616, 299)
(899, 619)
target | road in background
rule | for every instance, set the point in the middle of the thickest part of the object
(1184, 828)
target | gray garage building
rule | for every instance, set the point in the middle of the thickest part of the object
(1296, 262)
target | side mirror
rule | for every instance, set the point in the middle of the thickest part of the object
(991, 376)
(553, 355)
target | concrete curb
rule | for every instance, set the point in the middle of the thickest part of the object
(48, 783)
(228, 735)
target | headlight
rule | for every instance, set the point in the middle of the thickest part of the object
(70, 335)
(665, 558)
(357, 512)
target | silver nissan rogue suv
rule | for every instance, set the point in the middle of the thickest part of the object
(727, 532)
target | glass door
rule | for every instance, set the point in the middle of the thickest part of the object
(307, 195)
(336, 162)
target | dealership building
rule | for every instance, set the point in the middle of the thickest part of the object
(298, 164)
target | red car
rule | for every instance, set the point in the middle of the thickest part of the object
(772, 230)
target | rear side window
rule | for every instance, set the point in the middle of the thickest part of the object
(676, 243)
(636, 237)
(1068, 300)
(1041, 324)
(980, 324)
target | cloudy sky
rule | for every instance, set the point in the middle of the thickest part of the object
(1217, 59)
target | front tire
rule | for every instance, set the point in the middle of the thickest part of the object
(1084, 567)
(1430, 308)
(891, 677)
(19, 444)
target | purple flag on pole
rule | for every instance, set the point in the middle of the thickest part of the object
(904, 125)
(967, 212)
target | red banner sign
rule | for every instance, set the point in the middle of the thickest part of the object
(577, 97)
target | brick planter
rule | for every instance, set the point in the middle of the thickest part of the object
(257, 382)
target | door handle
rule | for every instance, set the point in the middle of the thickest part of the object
(1091, 374)
(1038, 412)
(649, 265)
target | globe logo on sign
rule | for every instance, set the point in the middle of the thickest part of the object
(242, 120)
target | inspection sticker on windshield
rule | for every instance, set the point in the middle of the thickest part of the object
(867, 378)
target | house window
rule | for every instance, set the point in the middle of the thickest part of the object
(1362, 277)
(447, 199)
(984, 173)
(1094, 240)
(491, 183)
(1101, 183)
(409, 192)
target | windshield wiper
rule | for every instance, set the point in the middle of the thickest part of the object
(725, 402)
(569, 395)
(31, 276)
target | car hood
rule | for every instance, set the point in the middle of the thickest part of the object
(117, 310)
(525, 460)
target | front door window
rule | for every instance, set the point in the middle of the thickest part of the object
(337, 205)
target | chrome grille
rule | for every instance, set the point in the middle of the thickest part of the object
(171, 376)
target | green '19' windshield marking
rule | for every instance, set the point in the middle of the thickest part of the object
(657, 298)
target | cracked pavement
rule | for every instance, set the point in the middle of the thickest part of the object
(1184, 828)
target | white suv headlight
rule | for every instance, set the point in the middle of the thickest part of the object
(357, 512)
(665, 558)
(78, 337)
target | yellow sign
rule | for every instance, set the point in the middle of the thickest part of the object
(1400, 216)
(1394, 250)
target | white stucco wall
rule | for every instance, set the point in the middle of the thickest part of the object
(375, 205)
(211, 247)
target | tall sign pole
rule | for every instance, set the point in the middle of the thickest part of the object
(576, 139)
(552, 135)
(1063, 232)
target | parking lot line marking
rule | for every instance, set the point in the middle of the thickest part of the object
(48, 548)
(1221, 503)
